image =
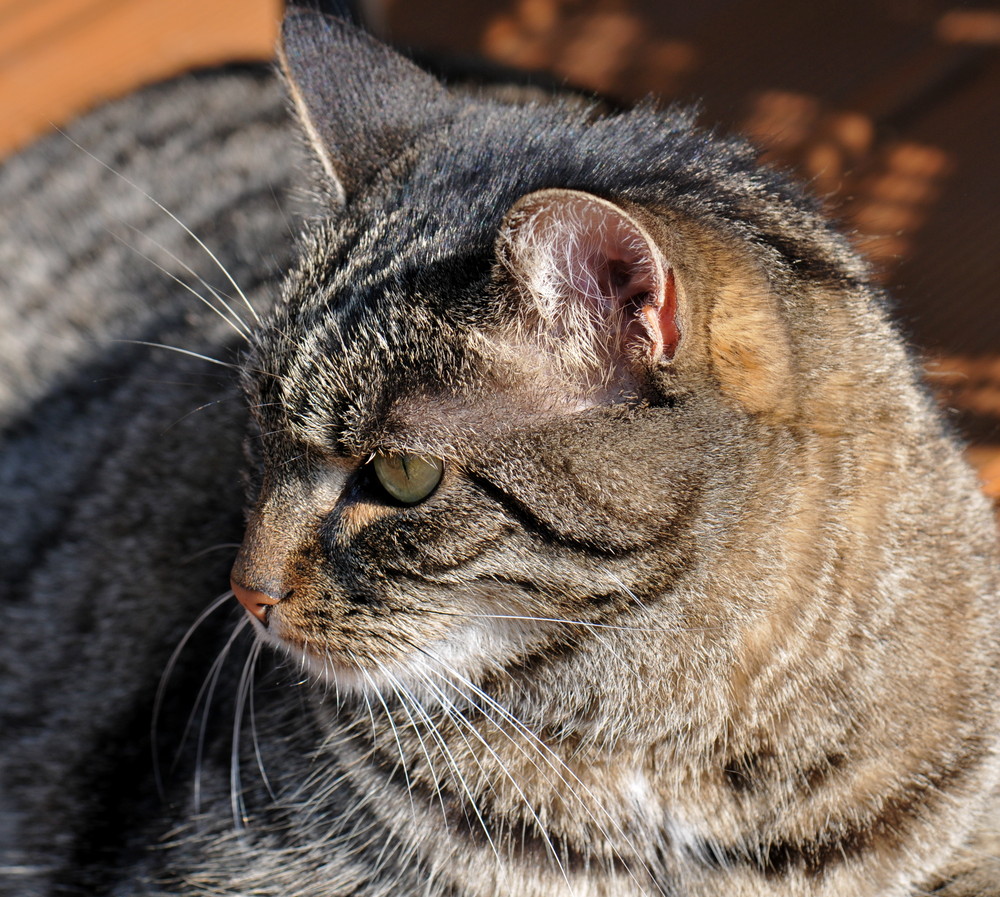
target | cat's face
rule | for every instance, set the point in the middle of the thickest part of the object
(506, 388)
(439, 490)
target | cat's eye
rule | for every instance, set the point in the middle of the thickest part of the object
(408, 478)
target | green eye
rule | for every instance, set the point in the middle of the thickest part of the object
(408, 478)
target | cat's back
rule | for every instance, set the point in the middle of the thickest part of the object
(119, 459)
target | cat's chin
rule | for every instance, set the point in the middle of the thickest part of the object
(442, 670)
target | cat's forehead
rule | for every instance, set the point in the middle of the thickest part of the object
(364, 332)
(375, 348)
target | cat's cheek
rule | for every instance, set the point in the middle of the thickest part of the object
(439, 665)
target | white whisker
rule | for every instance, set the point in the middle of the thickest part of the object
(430, 763)
(395, 734)
(236, 802)
(239, 327)
(184, 417)
(220, 296)
(449, 756)
(551, 759)
(255, 651)
(520, 791)
(207, 691)
(168, 671)
(570, 622)
(524, 798)
(202, 552)
(457, 716)
(142, 342)
(173, 217)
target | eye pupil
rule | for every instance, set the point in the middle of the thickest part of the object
(408, 478)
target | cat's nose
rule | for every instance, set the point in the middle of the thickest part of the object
(255, 602)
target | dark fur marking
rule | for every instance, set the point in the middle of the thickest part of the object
(801, 257)
(430, 567)
(530, 521)
(743, 773)
(753, 771)
(814, 776)
(840, 841)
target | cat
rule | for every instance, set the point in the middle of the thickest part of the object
(599, 536)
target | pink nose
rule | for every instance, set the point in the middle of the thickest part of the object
(256, 603)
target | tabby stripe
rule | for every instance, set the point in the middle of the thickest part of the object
(838, 842)
(534, 524)
(427, 570)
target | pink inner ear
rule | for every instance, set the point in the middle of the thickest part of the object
(636, 285)
(661, 318)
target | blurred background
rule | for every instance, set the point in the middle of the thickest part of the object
(889, 108)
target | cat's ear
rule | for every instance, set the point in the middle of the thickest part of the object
(359, 102)
(594, 273)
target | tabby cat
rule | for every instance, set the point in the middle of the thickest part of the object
(600, 537)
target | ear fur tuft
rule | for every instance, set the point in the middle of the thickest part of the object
(601, 290)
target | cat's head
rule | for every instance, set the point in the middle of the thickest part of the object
(516, 390)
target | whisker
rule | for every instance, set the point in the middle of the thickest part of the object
(617, 581)
(167, 211)
(430, 763)
(281, 209)
(571, 622)
(552, 760)
(240, 328)
(524, 798)
(210, 683)
(388, 842)
(202, 552)
(478, 736)
(403, 691)
(218, 294)
(168, 671)
(255, 652)
(185, 416)
(371, 717)
(457, 716)
(142, 342)
(236, 802)
(395, 734)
